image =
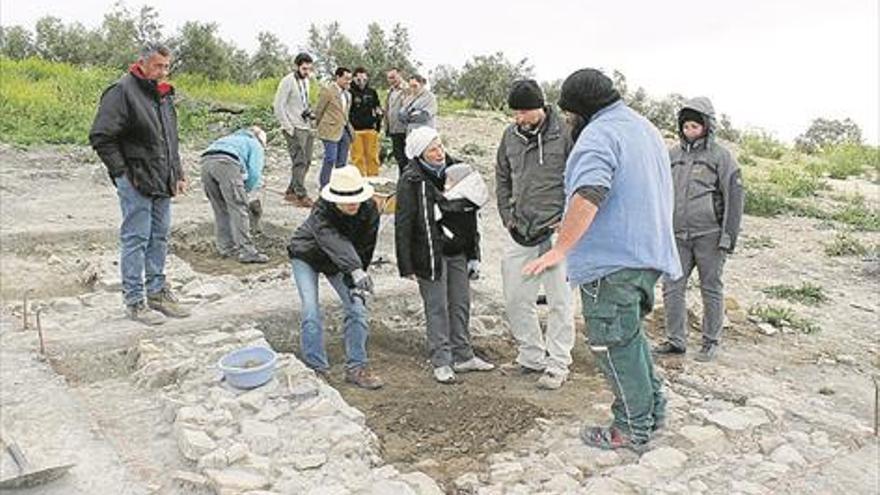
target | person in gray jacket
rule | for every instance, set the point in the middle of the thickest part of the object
(419, 108)
(707, 215)
(529, 173)
(294, 114)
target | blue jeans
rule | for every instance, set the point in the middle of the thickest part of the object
(144, 238)
(312, 331)
(335, 156)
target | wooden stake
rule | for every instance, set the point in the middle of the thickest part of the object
(40, 333)
(24, 313)
(876, 408)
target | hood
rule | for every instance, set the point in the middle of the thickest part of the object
(471, 187)
(703, 106)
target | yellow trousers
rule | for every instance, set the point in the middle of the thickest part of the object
(365, 152)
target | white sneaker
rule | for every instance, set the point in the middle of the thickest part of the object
(552, 380)
(444, 374)
(473, 364)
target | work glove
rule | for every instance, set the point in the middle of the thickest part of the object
(359, 294)
(362, 281)
(473, 268)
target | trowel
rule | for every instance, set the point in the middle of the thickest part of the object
(27, 476)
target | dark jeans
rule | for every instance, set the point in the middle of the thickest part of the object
(335, 156)
(614, 307)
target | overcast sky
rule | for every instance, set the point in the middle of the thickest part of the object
(773, 64)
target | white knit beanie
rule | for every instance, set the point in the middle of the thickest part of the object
(419, 140)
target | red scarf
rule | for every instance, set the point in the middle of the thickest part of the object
(161, 86)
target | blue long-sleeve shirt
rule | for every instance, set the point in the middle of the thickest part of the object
(247, 148)
(620, 150)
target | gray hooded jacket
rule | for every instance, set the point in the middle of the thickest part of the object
(708, 184)
(529, 174)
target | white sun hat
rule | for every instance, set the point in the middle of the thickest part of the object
(346, 186)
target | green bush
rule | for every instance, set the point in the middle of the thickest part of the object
(781, 317)
(845, 245)
(858, 215)
(746, 160)
(46, 102)
(794, 181)
(762, 144)
(850, 160)
(807, 293)
(765, 200)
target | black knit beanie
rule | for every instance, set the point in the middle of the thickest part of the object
(689, 114)
(584, 93)
(525, 94)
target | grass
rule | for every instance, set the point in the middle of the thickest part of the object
(845, 245)
(858, 214)
(759, 242)
(794, 181)
(782, 317)
(762, 144)
(765, 200)
(54, 103)
(850, 160)
(746, 160)
(807, 293)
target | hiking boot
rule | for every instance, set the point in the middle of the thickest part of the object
(227, 253)
(707, 353)
(303, 201)
(610, 438)
(516, 368)
(669, 348)
(473, 364)
(363, 378)
(252, 257)
(141, 313)
(552, 380)
(444, 374)
(166, 303)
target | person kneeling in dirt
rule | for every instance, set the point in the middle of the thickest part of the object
(437, 243)
(135, 135)
(232, 167)
(616, 239)
(338, 239)
(708, 210)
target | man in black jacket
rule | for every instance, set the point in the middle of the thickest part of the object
(366, 118)
(135, 135)
(338, 239)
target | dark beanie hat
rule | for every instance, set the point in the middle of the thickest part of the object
(587, 91)
(525, 94)
(689, 114)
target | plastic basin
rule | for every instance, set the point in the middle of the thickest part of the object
(249, 367)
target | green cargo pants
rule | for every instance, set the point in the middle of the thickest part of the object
(613, 308)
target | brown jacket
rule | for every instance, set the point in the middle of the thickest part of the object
(330, 114)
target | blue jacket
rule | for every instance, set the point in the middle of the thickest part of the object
(619, 149)
(249, 150)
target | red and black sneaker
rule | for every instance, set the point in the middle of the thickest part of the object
(610, 438)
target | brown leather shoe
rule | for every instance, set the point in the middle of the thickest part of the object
(299, 201)
(363, 378)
